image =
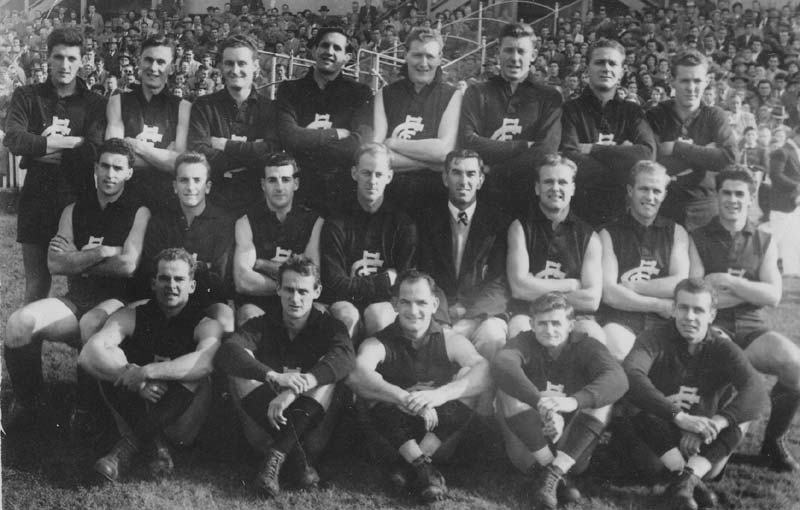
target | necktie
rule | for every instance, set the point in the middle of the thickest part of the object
(462, 218)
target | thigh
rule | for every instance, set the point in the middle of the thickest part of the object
(619, 340)
(49, 319)
(518, 324)
(465, 327)
(92, 321)
(591, 328)
(775, 354)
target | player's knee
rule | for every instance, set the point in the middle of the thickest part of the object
(518, 324)
(223, 314)
(491, 337)
(345, 312)
(377, 316)
(619, 341)
(592, 329)
(19, 329)
(91, 322)
(247, 312)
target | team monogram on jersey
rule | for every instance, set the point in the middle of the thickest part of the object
(321, 121)
(605, 139)
(238, 138)
(368, 264)
(409, 128)
(555, 389)
(58, 127)
(281, 255)
(552, 271)
(687, 397)
(94, 242)
(150, 135)
(646, 270)
(739, 273)
(507, 131)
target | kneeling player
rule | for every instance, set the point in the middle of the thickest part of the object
(415, 376)
(679, 376)
(301, 353)
(547, 376)
(153, 363)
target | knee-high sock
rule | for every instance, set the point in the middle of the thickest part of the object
(87, 391)
(725, 443)
(527, 426)
(581, 435)
(785, 403)
(25, 370)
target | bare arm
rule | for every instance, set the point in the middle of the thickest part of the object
(114, 125)
(678, 270)
(735, 290)
(367, 383)
(620, 297)
(312, 248)
(245, 278)
(587, 297)
(523, 284)
(102, 356)
(380, 125)
(194, 365)
(125, 262)
(63, 257)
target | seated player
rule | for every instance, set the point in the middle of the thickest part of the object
(98, 247)
(604, 135)
(644, 257)
(203, 229)
(550, 249)
(366, 246)
(462, 246)
(680, 374)
(284, 368)
(415, 376)
(740, 262)
(547, 378)
(268, 234)
(153, 362)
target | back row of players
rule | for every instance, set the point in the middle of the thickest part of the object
(488, 267)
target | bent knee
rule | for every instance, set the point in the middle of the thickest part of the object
(19, 329)
(223, 314)
(518, 324)
(91, 322)
(619, 340)
(592, 329)
(247, 312)
(491, 337)
(345, 312)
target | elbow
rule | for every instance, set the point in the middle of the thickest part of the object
(239, 285)
(517, 290)
(774, 299)
(128, 268)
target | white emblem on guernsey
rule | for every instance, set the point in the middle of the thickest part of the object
(507, 131)
(159, 359)
(605, 139)
(150, 135)
(646, 270)
(739, 273)
(238, 138)
(552, 271)
(94, 242)
(554, 390)
(686, 397)
(58, 127)
(409, 128)
(367, 265)
(321, 121)
(281, 255)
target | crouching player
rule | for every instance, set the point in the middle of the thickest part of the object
(415, 376)
(153, 364)
(284, 369)
(550, 377)
(680, 374)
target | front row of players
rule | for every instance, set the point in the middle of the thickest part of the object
(627, 278)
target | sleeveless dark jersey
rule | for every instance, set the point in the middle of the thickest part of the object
(413, 115)
(158, 338)
(405, 366)
(274, 239)
(156, 120)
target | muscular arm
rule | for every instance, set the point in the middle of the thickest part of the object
(367, 383)
(678, 269)
(102, 356)
(587, 297)
(124, 264)
(619, 297)
(245, 278)
(63, 257)
(765, 292)
(476, 380)
(312, 247)
(194, 365)
(523, 284)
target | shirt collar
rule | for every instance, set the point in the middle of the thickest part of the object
(715, 226)
(455, 210)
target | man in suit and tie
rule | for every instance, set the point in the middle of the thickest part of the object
(464, 250)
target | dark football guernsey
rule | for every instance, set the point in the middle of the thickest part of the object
(643, 253)
(158, 338)
(405, 366)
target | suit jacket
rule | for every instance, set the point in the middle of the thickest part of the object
(481, 285)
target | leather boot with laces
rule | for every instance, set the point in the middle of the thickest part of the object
(777, 454)
(160, 464)
(266, 480)
(546, 496)
(705, 496)
(681, 491)
(118, 460)
(299, 470)
(430, 481)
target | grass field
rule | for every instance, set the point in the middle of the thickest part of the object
(42, 468)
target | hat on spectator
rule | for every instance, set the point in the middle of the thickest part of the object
(779, 113)
(324, 8)
(740, 77)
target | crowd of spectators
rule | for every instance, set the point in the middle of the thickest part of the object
(755, 51)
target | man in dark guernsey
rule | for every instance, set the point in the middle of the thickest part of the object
(268, 234)
(153, 363)
(511, 122)
(694, 142)
(235, 128)
(463, 247)
(605, 136)
(365, 247)
(154, 122)
(550, 249)
(415, 377)
(98, 246)
(284, 368)
(680, 376)
(56, 127)
(203, 229)
(644, 256)
(417, 119)
(740, 262)
(555, 391)
(322, 119)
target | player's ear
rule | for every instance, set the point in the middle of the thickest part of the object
(192, 285)
(317, 291)
(354, 172)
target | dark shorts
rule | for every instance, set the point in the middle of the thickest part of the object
(636, 322)
(44, 196)
(77, 306)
